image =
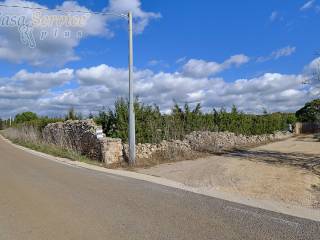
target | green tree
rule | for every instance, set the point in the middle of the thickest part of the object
(72, 115)
(152, 126)
(25, 117)
(310, 112)
(2, 124)
(91, 116)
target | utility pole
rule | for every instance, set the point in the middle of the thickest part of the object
(132, 131)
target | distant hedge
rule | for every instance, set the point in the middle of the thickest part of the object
(25, 117)
(38, 122)
(31, 118)
(152, 126)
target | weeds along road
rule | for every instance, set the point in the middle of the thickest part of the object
(42, 199)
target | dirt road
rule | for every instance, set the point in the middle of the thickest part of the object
(282, 171)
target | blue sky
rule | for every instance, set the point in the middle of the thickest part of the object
(193, 44)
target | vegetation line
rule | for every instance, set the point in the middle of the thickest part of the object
(153, 126)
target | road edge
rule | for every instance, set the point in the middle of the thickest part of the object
(307, 213)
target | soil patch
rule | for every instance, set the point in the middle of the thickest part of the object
(283, 171)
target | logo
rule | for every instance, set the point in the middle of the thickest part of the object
(40, 26)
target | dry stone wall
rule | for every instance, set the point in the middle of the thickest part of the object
(217, 142)
(204, 142)
(81, 137)
(112, 150)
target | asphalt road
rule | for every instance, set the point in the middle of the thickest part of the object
(43, 199)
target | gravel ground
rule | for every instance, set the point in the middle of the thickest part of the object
(282, 171)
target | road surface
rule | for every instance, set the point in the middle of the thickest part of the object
(43, 199)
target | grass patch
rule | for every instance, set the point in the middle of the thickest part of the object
(56, 151)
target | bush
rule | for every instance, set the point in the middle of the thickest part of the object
(25, 117)
(2, 124)
(152, 126)
(310, 112)
(73, 115)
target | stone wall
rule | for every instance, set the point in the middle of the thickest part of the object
(166, 150)
(203, 142)
(217, 142)
(81, 137)
(112, 150)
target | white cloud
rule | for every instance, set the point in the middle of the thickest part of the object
(200, 68)
(55, 48)
(23, 91)
(99, 86)
(154, 62)
(141, 18)
(158, 63)
(314, 65)
(39, 80)
(313, 71)
(282, 52)
(307, 5)
(181, 60)
(101, 74)
(274, 16)
(273, 91)
(33, 84)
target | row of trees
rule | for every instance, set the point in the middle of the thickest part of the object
(3, 124)
(32, 118)
(152, 126)
(19, 119)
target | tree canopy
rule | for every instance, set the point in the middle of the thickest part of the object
(25, 117)
(152, 125)
(310, 112)
(2, 124)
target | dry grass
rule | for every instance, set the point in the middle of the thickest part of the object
(30, 137)
(29, 134)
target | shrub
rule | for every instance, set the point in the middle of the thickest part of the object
(2, 124)
(310, 112)
(152, 126)
(25, 117)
